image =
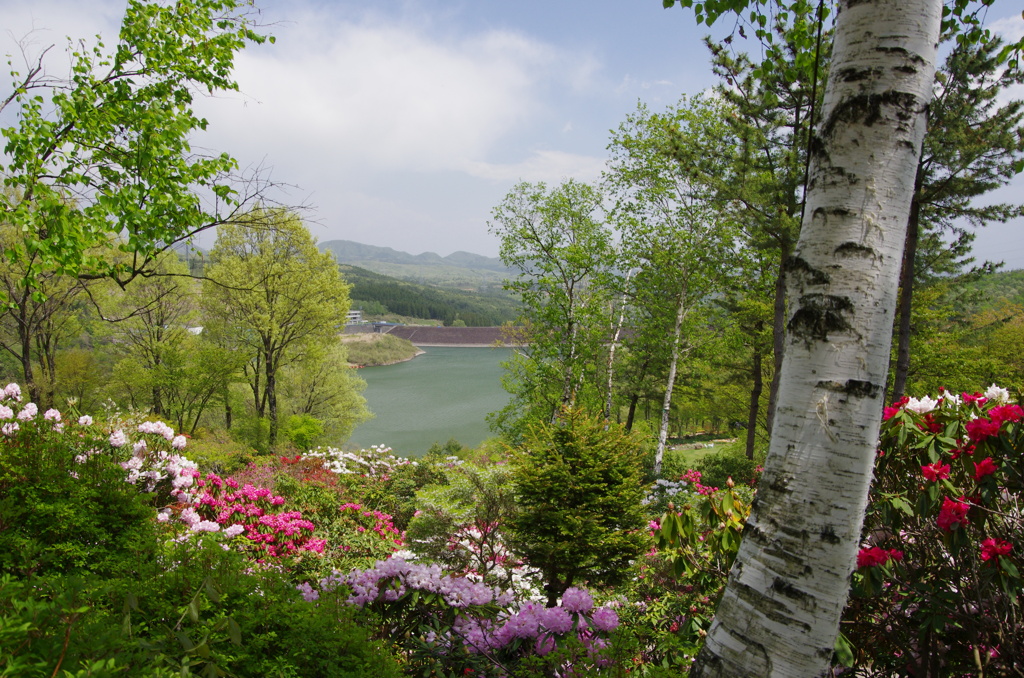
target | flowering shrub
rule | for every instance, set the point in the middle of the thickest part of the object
(376, 462)
(65, 505)
(447, 623)
(937, 586)
(460, 522)
(252, 513)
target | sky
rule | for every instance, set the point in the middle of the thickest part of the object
(403, 123)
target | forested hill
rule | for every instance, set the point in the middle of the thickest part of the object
(1002, 287)
(460, 269)
(377, 294)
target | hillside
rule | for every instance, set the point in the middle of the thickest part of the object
(378, 294)
(462, 270)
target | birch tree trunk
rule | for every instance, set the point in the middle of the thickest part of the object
(780, 612)
(666, 403)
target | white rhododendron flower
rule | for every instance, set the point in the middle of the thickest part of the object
(922, 406)
(997, 394)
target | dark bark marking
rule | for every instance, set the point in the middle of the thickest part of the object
(819, 315)
(853, 387)
(903, 52)
(858, 74)
(854, 249)
(787, 589)
(866, 109)
(829, 534)
(809, 274)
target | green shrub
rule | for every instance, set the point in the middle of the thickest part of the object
(578, 490)
(718, 467)
(59, 515)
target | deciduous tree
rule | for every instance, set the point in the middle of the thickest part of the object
(101, 158)
(276, 295)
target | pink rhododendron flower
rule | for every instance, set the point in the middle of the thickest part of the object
(992, 548)
(953, 514)
(51, 415)
(981, 428)
(876, 555)
(85, 420)
(12, 391)
(30, 410)
(935, 472)
(178, 443)
(10, 428)
(974, 398)
(1002, 413)
(117, 438)
(984, 468)
(6, 412)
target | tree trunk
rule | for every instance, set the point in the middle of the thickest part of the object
(755, 398)
(270, 391)
(778, 336)
(611, 354)
(779, 615)
(899, 383)
(633, 399)
(666, 404)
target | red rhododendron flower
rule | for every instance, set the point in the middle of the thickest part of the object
(981, 428)
(992, 548)
(935, 472)
(953, 514)
(875, 556)
(1003, 413)
(974, 398)
(890, 412)
(984, 468)
(930, 425)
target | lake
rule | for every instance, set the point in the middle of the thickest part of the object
(444, 393)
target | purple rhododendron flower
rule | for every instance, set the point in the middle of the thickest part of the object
(577, 600)
(605, 619)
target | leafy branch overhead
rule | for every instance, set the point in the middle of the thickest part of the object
(103, 156)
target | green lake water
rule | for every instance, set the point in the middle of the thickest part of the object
(444, 393)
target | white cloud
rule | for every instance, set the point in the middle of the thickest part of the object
(548, 166)
(365, 95)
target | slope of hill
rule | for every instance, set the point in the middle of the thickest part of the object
(449, 305)
(459, 269)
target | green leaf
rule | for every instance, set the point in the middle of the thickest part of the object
(903, 505)
(234, 632)
(844, 651)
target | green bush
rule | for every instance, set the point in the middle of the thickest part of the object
(578, 491)
(63, 516)
(718, 467)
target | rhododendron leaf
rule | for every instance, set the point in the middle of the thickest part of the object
(234, 632)
(902, 504)
(1008, 567)
(844, 651)
(211, 590)
(193, 610)
(185, 641)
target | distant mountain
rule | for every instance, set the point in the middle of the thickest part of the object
(459, 269)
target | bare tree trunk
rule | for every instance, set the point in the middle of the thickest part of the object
(666, 404)
(778, 337)
(611, 353)
(779, 615)
(899, 384)
(755, 399)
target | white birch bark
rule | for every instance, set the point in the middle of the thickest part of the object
(666, 403)
(780, 612)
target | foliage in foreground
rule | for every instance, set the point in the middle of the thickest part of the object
(293, 568)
